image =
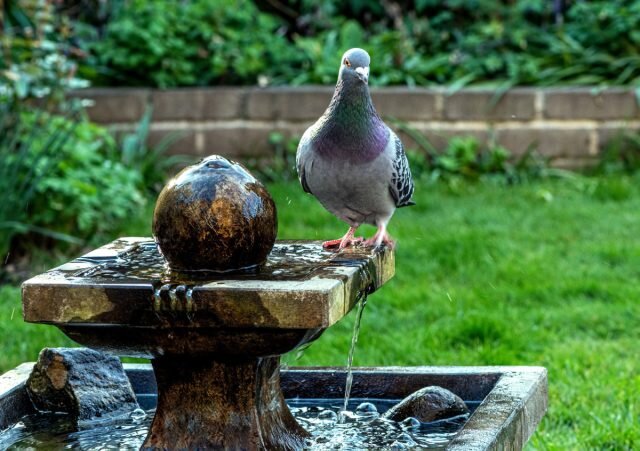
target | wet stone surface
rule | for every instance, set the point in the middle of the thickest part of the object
(82, 382)
(127, 282)
(215, 215)
(287, 261)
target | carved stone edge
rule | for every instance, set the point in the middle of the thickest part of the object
(320, 302)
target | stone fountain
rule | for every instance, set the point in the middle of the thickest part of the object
(215, 337)
(215, 344)
(217, 319)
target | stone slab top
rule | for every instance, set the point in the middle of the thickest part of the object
(127, 283)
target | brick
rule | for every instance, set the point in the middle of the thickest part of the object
(476, 104)
(550, 142)
(575, 163)
(305, 103)
(197, 103)
(586, 103)
(439, 137)
(239, 141)
(185, 143)
(406, 104)
(115, 105)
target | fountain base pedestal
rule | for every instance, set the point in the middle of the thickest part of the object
(221, 404)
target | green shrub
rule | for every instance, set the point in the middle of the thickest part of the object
(464, 157)
(497, 43)
(190, 43)
(622, 154)
(35, 58)
(150, 162)
(491, 43)
(23, 164)
(59, 182)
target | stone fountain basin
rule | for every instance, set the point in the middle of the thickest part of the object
(513, 399)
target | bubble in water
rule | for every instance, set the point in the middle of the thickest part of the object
(328, 415)
(406, 439)
(138, 415)
(410, 423)
(367, 409)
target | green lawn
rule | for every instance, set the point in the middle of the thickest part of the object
(539, 274)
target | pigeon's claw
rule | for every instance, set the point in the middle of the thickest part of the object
(376, 241)
(381, 237)
(343, 242)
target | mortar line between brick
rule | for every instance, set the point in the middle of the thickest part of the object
(439, 104)
(517, 125)
(594, 142)
(538, 104)
(449, 125)
(199, 143)
(244, 103)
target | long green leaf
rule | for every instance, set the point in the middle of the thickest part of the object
(21, 227)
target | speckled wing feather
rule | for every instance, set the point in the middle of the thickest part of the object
(401, 187)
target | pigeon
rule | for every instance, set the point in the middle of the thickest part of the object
(352, 162)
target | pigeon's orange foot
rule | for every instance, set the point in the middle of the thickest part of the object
(343, 242)
(379, 239)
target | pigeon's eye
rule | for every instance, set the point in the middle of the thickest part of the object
(347, 62)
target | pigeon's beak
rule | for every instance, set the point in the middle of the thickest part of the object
(363, 73)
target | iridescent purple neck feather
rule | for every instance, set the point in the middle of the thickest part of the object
(350, 128)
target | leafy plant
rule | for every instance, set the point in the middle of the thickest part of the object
(282, 164)
(150, 162)
(622, 154)
(458, 43)
(59, 182)
(196, 42)
(23, 165)
(465, 157)
(34, 55)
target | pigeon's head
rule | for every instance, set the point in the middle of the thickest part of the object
(355, 66)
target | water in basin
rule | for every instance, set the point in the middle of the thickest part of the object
(361, 428)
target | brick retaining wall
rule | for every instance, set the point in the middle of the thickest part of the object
(571, 125)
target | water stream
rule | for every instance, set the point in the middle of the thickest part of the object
(362, 302)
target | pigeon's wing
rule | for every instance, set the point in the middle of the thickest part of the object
(401, 186)
(303, 153)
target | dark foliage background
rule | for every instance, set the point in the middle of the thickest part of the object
(422, 42)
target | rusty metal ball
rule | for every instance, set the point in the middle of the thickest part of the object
(214, 216)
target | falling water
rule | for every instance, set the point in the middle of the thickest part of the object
(354, 339)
